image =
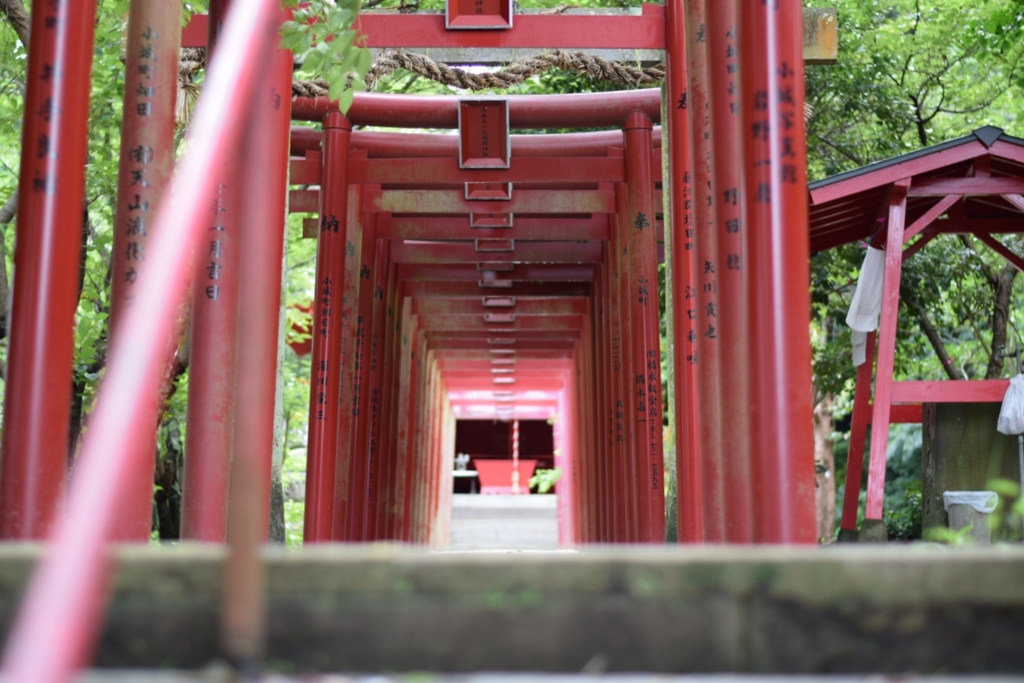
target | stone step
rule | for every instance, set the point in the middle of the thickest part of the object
(672, 610)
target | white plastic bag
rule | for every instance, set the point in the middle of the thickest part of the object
(983, 501)
(1011, 415)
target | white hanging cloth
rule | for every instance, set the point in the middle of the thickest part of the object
(867, 302)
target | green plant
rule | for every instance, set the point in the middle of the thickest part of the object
(323, 40)
(545, 480)
(941, 534)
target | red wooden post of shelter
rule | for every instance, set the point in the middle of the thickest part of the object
(144, 174)
(37, 402)
(327, 332)
(212, 355)
(886, 347)
(686, 419)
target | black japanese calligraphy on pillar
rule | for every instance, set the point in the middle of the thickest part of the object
(44, 182)
(788, 171)
(322, 369)
(214, 265)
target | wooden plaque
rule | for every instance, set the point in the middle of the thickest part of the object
(484, 140)
(478, 14)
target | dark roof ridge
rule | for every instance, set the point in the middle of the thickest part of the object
(986, 135)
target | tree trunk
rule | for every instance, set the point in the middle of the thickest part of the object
(824, 470)
(1002, 284)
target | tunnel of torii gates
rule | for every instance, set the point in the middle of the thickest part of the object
(477, 274)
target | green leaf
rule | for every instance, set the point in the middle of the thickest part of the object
(335, 91)
(345, 101)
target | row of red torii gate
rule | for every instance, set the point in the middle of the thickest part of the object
(483, 273)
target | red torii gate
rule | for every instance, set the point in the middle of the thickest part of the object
(755, 284)
(971, 185)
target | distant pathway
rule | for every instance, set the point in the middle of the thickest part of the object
(504, 522)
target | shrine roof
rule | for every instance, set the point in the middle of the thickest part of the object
(850, 206)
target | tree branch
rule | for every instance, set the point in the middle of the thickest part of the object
(17, 17)
(934, 338)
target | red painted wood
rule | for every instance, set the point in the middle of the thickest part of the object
(570, 228)
(918, 245)
(1002, 250)
(886, 351)
(478, 14)
(904, 413)
(929, 216)
(327, 335)
(728, 313)
(355, 232)
(144, 174)
(265, 175)
(684, 331)
(949, 391)
(772, 70)
(858, 432)
(446, 172)
(938, 187)
(63, 604)
(644, 32)
(646, 348)
(484, 133)
(524, 252)
(705, 276)
(1015, 199)
(213, 347)
(45, 288)
(890, 174)
(588, 110)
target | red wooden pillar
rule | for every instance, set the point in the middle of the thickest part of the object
(729, 313)
(262, 223)
(408, 452)
(687, 426)
(619, 231)
(375, 359)
(362, 411)
(621, 516)
(144, 173)
(264, 218)
(45, 293)
(858, 432)
(327, 326)
(354, 230)
(646, 342)
(389, 428)
(401, 421)
(381, 467)
(886, 349)
(776, 181)
(212, 356)
(604, 416)
(705, 275)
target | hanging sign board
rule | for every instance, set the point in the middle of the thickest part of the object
(483, 133)
(490, 220)
(488, 191)
(478, 14)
